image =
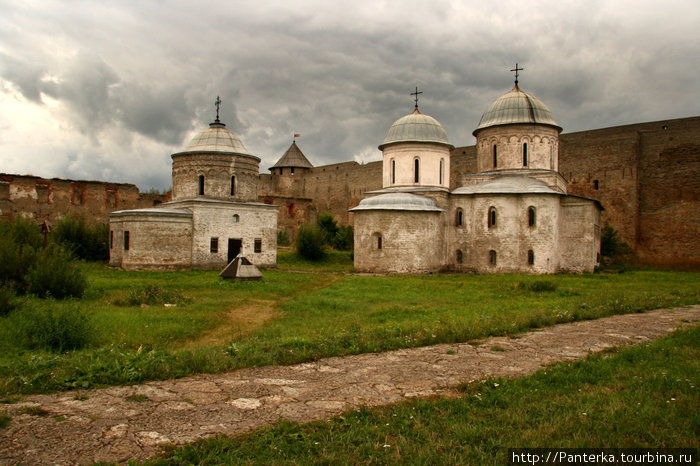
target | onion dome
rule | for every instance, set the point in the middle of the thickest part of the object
(516, 107)
(293, 158)
(217, 138)
(416, 127)
(398, 201)
(507, 185)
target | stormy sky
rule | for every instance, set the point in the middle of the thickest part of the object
(108, 90)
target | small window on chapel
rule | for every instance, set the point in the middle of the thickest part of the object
(214, 245)
(596, 184)
(236, 218)
(442, 170)
(416, 170)
(495, 156)
(201, 185)
(530, 257)
(460, 258)
(531, 216)
(393, 171)
(459, 220)
(492, 217)
(233, 185)
(126, 240)
(492, 257)
(257, 246)
(525, 154)
(111, 239)
(377, 239)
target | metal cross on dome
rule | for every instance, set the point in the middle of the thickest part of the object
(516, 69)
(416, 94)
(217, 104)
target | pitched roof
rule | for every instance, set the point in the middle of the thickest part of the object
(294, 157)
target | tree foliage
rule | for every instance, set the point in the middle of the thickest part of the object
(310, 242)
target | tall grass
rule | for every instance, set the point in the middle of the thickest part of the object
(309, 316)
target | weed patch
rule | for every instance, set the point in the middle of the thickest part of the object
(53, 328)
(152, 295)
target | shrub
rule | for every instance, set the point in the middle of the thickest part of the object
(538, 286)
(54, 274)
(344, 238)
(310, 243)
(62, 329)
(611, 246)
(7, 303)
(151, 294)
(23, 231)
(283, 238)
(15, 259)
(328, 226)
(87, 241)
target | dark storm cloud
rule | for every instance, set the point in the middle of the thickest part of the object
(140, 79)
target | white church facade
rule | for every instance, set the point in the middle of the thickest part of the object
(213, 215)
(512, 215)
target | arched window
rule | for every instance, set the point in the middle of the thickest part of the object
(416, 170)
(442, 170)
(201, 185)
(525, 154)
(492, 217)
(393, 171)
(459, 218)
(291, 170)
(495, 156)
(492, 257)
(377, 241)
(531, 257)
(236, 218)
(460, 259)
(531, 216)
(233, 186)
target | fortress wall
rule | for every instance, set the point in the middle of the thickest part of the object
(51, 199)
(669, 201)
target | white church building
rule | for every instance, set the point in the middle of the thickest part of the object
(213, 215)
(512, 215)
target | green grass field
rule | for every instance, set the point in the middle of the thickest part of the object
(644, 396)
(313, 312)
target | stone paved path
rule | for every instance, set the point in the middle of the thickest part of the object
(108, 425)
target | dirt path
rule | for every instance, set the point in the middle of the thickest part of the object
(122, 423)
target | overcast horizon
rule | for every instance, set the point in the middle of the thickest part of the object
(107, 91)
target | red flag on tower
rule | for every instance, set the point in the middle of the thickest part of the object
(296, 135)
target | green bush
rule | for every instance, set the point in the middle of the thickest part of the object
(344, 238)
(7, 303)
(15, 260)
(611, 246)
(56, 329)
(538, 286)
(328, 226)
(310, 243)
(23, 231)
(54, 274)
(151, 294)
(87, 241)
(283, 238)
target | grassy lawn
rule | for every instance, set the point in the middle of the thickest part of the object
(645, 396)
(293, 317)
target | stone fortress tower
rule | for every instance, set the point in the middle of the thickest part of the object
(212, 217)
(512, 215)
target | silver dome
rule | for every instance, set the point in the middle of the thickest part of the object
(508, 185)
(416, 127)
(216, 138)
(516, 107)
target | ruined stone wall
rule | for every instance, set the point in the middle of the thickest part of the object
(51, 199)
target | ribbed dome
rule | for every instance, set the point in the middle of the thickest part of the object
(398, 201)
(216, 139)
(416, 127)
(516, 107)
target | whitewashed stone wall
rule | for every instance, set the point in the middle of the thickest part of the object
(542, 147)
(215, 219)
(157, 241)
(580, 235)
(412, 242)
(217, 169)
(404, 156)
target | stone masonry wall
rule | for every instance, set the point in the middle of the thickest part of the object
(51, 199)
